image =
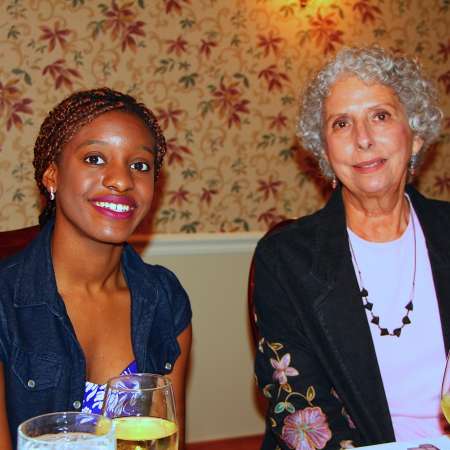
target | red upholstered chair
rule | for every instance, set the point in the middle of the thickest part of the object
(13, 241)
(251, 285)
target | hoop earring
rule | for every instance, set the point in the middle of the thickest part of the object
(334, 182)
(413, 165)
(52, 193)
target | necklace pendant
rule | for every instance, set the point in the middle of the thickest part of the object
(384, 331)
(406, 320)
(375, 320)
(397, 332)
(409, 306)
(364, 292)
(368, 305)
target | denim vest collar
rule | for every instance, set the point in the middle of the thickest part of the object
(36, 283)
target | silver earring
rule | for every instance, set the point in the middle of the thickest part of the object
(413, 165)
(52, 193)
(334, 182)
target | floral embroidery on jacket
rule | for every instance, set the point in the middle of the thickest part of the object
(349, 420)
(303, 429)
(306, 429)
(282, 369)
(344, 412)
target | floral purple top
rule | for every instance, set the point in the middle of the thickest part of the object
(95, 393)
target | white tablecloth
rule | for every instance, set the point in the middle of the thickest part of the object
(441, 443)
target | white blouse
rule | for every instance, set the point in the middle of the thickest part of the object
(412, 365)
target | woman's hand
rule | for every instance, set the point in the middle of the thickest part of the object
(178, 379)
(5, 438)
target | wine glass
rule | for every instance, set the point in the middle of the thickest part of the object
(142, 407)
(66, 431)
(445, 391)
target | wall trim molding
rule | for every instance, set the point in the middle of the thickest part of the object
(196, 243)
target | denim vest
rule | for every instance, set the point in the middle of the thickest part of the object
(44, 365)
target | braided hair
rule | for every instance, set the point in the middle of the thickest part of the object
(76, 111)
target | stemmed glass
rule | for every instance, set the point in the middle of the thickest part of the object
(445, 391)
(66, 431)
(142, 407)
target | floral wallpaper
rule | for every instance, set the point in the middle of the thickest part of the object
(224, 78)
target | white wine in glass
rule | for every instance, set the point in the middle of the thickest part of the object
(142, 407)
(445, 391)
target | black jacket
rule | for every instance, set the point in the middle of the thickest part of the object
(308, 307)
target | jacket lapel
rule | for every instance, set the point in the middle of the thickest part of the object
(435, 223)
(345, 331)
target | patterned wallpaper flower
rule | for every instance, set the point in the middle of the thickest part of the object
(224, 78)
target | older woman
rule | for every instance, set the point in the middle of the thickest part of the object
(353, 302)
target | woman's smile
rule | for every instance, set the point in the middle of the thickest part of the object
(114, 206)
(370, 166)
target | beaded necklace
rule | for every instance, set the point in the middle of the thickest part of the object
(365, 293)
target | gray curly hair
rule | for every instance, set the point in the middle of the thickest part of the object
(370, 64)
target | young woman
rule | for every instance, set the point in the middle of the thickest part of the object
(78, 305)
